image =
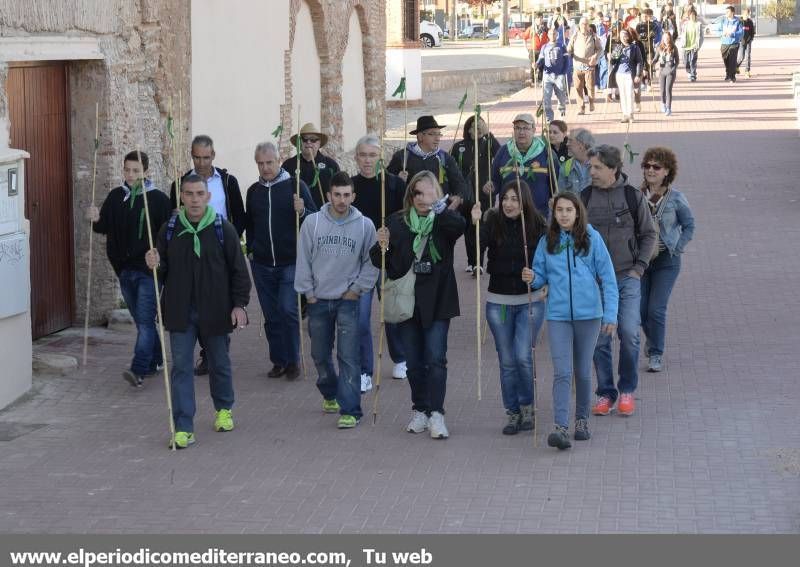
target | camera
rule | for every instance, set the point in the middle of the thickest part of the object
(423, 267)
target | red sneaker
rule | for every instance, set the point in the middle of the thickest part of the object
(626, 405)
(603, 406)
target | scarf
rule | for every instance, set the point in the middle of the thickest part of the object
(422, 227)
(208, 219)
(414, 148)
(133, 192)
(536, 147)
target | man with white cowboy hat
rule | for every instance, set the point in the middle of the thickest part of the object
(316, 169)
(425, 154)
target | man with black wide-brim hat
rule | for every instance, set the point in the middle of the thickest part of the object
(425, 154)
(316, 169)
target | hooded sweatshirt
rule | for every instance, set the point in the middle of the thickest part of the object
(333, 255)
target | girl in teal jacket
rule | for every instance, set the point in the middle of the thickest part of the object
(573, 261)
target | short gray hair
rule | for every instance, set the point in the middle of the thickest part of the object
(608, 156)
(369, 140)
(583, 136)
(266, 147)
(203, 140)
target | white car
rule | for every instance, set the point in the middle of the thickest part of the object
(430, 34)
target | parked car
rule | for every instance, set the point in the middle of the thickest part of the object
(430, 34)
(515, 29)
(494, 33)
(477, 31)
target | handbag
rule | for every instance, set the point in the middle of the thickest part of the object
(398, 295)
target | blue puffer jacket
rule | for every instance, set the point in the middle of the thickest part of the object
(576, 282)
(676, 227)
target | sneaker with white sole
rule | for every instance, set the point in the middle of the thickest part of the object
(133, 379)
(366, 383)
(418, 423)
(469, 269)
(399, 371)
(437, 426)
(656, 363)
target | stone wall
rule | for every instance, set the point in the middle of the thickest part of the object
(146, 50)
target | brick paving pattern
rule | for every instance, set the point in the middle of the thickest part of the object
(713, 447)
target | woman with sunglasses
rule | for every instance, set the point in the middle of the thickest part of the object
(421, 237)
(675, 225)
(573, 261)
(514, 316)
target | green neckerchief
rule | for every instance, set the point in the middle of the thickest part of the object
(536, 147)
(208, 219)
(422, 227)
(135, 191)
(568, 166)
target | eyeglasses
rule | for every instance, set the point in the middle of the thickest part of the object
(523, 128)
(653, 166)
(310, 140)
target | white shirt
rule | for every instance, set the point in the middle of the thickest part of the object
(217, 193)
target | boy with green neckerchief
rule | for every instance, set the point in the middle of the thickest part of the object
(206, 290)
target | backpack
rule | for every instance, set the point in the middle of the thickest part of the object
(217, 228)
(633, 201)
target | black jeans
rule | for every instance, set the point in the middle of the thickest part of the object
(667, 79)
(729, 56)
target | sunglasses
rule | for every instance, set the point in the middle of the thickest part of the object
(653, 166)
(310, 140)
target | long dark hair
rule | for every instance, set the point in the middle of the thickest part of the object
(534, 222)
(579, 233)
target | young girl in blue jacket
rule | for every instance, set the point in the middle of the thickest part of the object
(573, 261)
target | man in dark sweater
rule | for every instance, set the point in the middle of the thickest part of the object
(316, 169)
(747, 42)
(272, 209)
(206, 290)
(123, 220)
(367, 185)
(226, 198)
(426, 155)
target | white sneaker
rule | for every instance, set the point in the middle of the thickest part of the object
(437, 426)
(418, 423)
(468, 269)
(366, 383)
(399, 371)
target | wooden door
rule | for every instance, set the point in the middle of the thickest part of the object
(39, 125)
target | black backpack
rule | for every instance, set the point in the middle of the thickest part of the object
(631, 198)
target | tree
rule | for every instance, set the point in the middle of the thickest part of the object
(780, 10)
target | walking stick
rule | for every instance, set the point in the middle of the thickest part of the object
(297, 143)
(91, 236)
(477, 236)
(460, 114)
(379, 169)
(551, 168)
(530, 302)
(175, 170)
(159, 316)
(651, 66)
(405, 121)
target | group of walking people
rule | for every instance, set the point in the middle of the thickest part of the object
(562, 234)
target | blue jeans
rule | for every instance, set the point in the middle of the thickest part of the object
(426, 359)
(628, 321)
(513, 328)
(554, 83)
(657, 284)
(571, 346)
(744, 53)
(140, 296)
(219, 371)
(690, 57)
(337, 317)
(275, 288)
(393, 342)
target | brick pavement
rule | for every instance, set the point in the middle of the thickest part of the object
(713, 446)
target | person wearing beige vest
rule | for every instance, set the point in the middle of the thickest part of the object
(585, 49)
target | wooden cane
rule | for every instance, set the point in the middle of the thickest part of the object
(159, 316)
(460, 115)
(405, 122)
(382, 323)
(297, 237)
(91, 237)
(477, 236)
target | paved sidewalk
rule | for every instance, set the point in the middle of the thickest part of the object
(714, 445)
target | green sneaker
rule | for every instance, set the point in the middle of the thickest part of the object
(347, 422)
(330, 406)
(182, 439)
(224, 420)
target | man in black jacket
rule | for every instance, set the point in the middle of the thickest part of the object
(206, 290)
(272, 209)
(426, 155)
(316, 169)
(123, 220)
(226, 199)
(745, 49)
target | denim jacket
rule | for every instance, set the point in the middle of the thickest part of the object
(573, 178)
(677, 223)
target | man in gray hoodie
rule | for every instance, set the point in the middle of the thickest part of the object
(621, 215)
(333, 270)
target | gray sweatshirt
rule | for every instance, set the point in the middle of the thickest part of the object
(333, 255)
(608, 213)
